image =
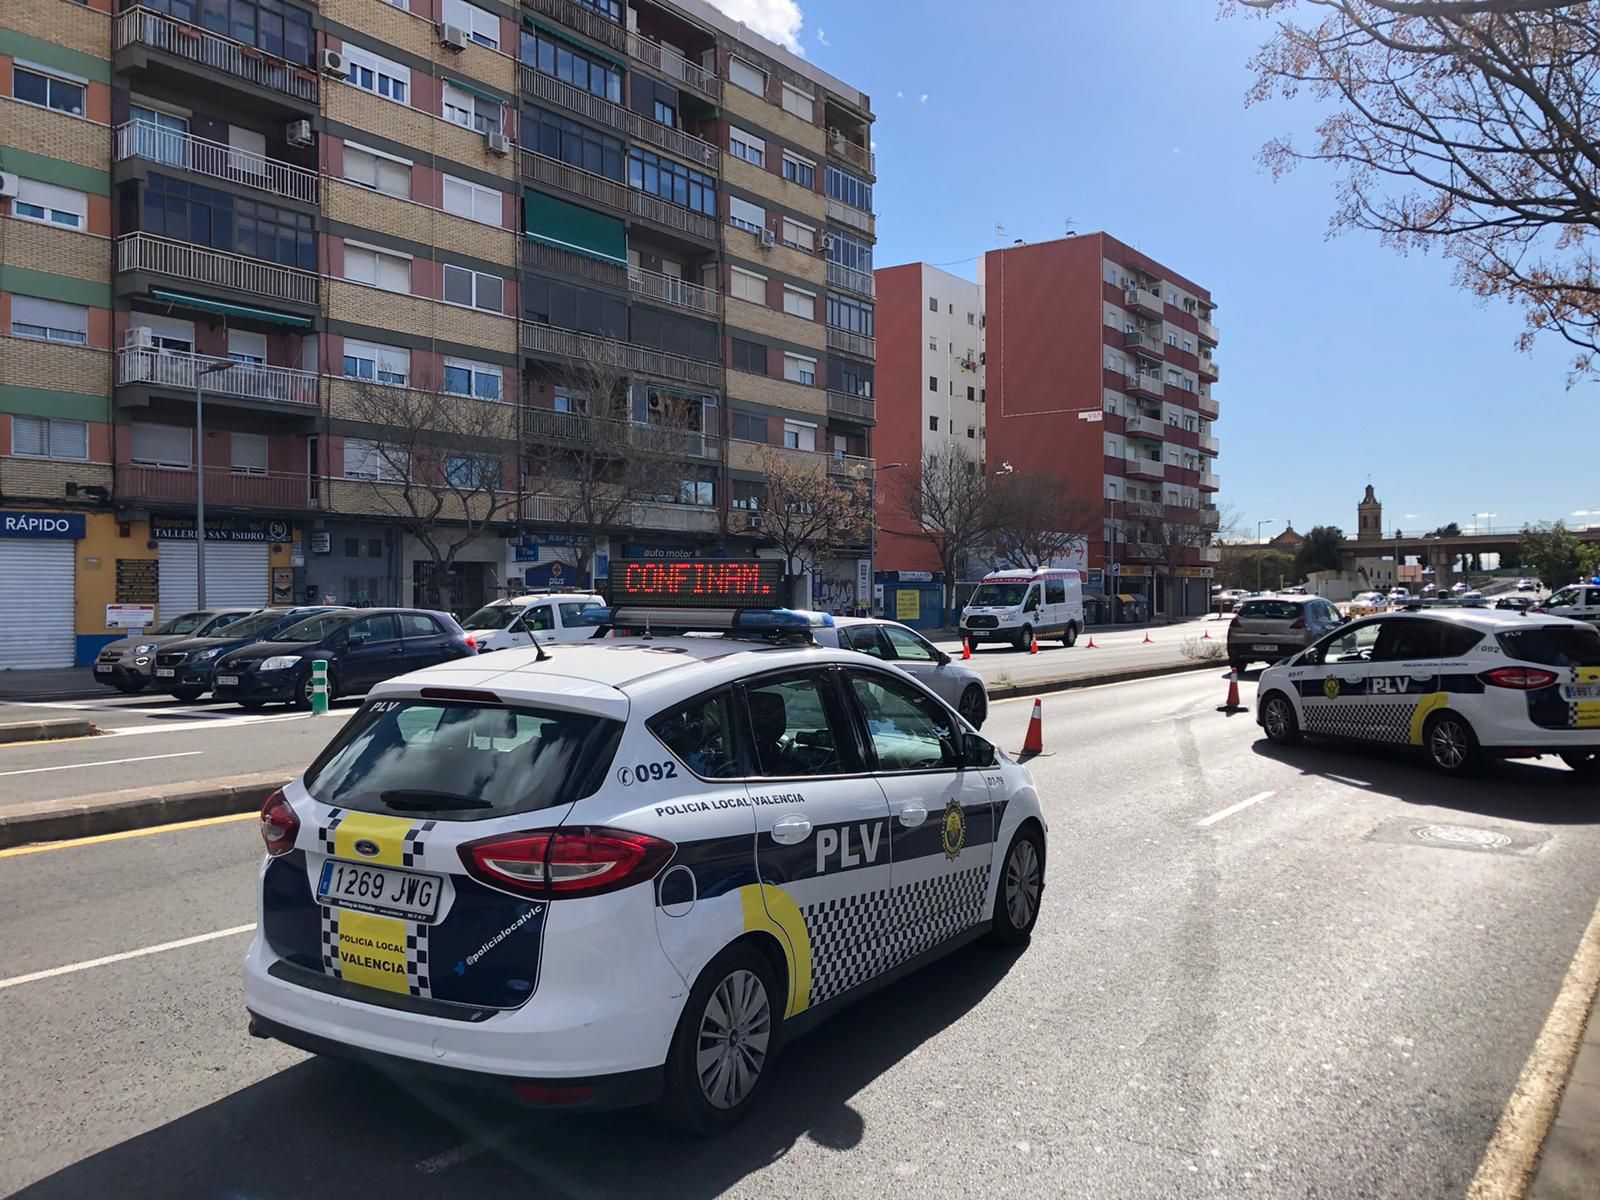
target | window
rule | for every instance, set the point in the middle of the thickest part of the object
(683, 186)
(800, 370)
(482, 27)
(247, 346)
(972, 318)
(272, 26)
(554, 302)
(473, 201)
(933, 424)
(380, 172)
(933, 304)
(799, 170)
(799, 435)
(908, 646)
(471, 112)
(418, 625)
(1055, 591)
(474, 289)
(463, 377)
(909, 731)
(391, 272)
(1188, 346)
(248, 453)
(368, 460)
(162, 445)
(373, 73)
(972, 393)
(472, 471)
(377, 363)
(857, 193)
(558, 137)
(749, 356)
(1172, 340)
(49, 320)
(799, 103)
(850, 251)
(799, 304)
(972, 432)
(700, 735)
(47, 91)
(159, 136)
(749, 427)
(933, 344)
(53, 205)
(854, 316)
(933, 383)
(207, 216)
(751, 79)
(47, 437)
(551, 56)
(746, 285)
(866, 639)
(747, 146)
(793, 727)
(1346, 646)
(744, 215)
(799, 237)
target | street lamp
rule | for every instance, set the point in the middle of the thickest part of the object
(200, 372)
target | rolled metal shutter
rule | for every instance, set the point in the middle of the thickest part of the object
(38, 579)
(237, 574)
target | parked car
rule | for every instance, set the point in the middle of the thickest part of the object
(362, 647)
(960, 687)
(1399, 593)
(1515, 603)
(1459, 586)
(1268, 629)
(1529, 585)
(1228, 599)
(128, 664)
(184, 668)
(1296, 590)
(549, 616)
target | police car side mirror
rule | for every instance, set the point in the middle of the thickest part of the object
(976, 751)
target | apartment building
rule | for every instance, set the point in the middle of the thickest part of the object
(283, 207)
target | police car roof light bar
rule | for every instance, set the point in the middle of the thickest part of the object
(796, 623)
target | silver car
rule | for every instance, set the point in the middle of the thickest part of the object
(1272, 627)
(128, 664)
(958, 686)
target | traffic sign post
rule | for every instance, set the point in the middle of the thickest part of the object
(319, 687)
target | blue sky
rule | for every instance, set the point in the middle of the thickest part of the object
(1341, 360)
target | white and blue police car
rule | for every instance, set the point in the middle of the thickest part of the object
(629, 870)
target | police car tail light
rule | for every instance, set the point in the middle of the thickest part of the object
(1523, 679)
(279, 825)
(565, 863)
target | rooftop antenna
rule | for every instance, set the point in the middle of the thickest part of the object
(647, 634)
(538, 651)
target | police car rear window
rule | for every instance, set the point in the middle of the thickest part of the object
(1554, 645)
(1277, 610)
(462, 761)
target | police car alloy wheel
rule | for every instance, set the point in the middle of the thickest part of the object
(1278, 720)
(1016, 900)
(1451, 744)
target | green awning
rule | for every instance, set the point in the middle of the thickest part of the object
(576, 43)
(473, 89)
(231, 310)
(568, 227)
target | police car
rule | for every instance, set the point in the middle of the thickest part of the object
(1460, 684)
(630, 870)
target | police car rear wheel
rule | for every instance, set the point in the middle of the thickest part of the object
(722, 1052)
(1451, 744)
(1016, 900)
(1585, 762)
(1279, 722)
(972, 706)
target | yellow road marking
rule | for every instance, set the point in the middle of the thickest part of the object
(1508, 1163)
(202, 822)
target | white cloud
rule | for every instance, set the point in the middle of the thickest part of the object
(822, 37)
(1413, 516)
(779, 20)
(1586, 512)
(922, 99)
(899, 95)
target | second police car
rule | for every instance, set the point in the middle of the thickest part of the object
(630, 870)
(1460, 684)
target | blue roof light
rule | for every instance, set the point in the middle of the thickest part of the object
(780, 618)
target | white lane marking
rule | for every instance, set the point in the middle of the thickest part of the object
(109, 762)
(72, 968)
(1233, 808)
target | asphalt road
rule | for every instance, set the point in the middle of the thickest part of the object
(1252, 977)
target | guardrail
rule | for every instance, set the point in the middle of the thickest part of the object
(673, 216)
(191, 42)
(174, 148)
(585, 21)
(248, 381)
(543, 424)
(615, 116)
(217, 268)
(853, 152)
(676, 518)
(852, 466)
(541, 168)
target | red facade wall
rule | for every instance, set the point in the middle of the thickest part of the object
(898, 436)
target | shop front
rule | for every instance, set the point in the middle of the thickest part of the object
(241, 556)
(38, 588)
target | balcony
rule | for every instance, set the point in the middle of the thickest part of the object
(676, 518)
(670, 289)
(586, 21)
(1146, 383)
(850, 280)
(141, 27)
(215, 268)
(1148, 551)
(623, 120)
(1142, 342)
(552, 172)
(172, 148)
(1210, 518)
(1208, 331)
(1145, 300)
(278, 491)
(1149, 509)
(668, 62)
(1209, 369)
(642, 360)
(577, 429)
(1208, 406)
(1209, 444)
(847, 407)
(540, 256)
(852, 343)
(1209, 482)
(853, 153)
(1210, 554)
(673, 216)
(241, 380)
(852, 466)
(1144, 468)
(1150, 427)
(848, 214)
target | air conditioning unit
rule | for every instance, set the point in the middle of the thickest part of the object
(498, 143)
(138, 337)
(9, 185)
(452, 36)
(753, 521)
(333, 63)
(825, 243)
(768, 239)
(297, 133)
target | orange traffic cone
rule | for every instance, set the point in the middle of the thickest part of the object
(1206, 636)
(1147, 640)
(1091, 645)
(966, 650)
(1233, 704)
(1033, 644)
(1034, 742)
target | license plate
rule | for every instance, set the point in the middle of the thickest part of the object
(1582, 691)
(227, 681)
(165, 672)
(102, 668)
(387, 891)
(1265, 649)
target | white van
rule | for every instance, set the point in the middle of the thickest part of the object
(1018, 606)
(551, 616)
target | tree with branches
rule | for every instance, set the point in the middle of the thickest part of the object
(440, 463)
(1177, 534)
(1468, 125)
(807, 515)
(945, 501)
(1035, 521)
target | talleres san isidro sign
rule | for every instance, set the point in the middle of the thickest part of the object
(697, 583)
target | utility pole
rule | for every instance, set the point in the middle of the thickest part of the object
(200, 372)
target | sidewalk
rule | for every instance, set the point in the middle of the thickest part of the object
(58, 683)
(1569, 1164)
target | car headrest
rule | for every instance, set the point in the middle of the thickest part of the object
(769, 716)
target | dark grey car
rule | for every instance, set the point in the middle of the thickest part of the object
(1272, 627)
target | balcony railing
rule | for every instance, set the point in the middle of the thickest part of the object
(1210, 518)
(1210, 554)
(585, 21)
(673, 216)
(1144, 427)
(142, 27)
(851, 280)
(600, 433)
(1209, 482)
(1209, 444)
(676, 518)
(1208, 331)
(1209, 368)
(852, 343)
(852, 466)
(624, 120)
(1145, 299)
(544, 257)
(669, 289)
(1145, 550)
(215, 268)
(1151, 509)
(674, 66)
(175, 148)
(852, 408)
(1142, 342)
(583, 347)
(1146, 383)
(1209, 406)
(1145, 468)
(553, 172)
(246, 380)
(853, 152)
(849, 214)
(278, 490)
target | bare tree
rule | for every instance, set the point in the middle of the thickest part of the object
(442, 464)
(1174, 537)
(944, 500)
(1036, 521)
(1464, 124)
(808, 514)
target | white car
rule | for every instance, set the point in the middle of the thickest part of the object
(1461, 684)
(1366, 603)
(630, 870)
(1580, 601)
(519, 620)
(1399, 593)
(960, 687)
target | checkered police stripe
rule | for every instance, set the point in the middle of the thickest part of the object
(417, 959)
(412, 849)
(325, 833)
(330, 942)
(857, 937)
(1359, 718)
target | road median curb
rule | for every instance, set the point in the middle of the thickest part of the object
(45, 731)
(1040, 686)
(134, 808)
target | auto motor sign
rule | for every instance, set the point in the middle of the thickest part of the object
(698, 583)
(69, 526)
